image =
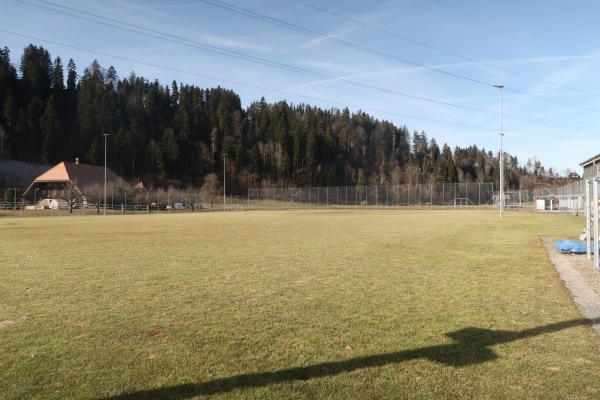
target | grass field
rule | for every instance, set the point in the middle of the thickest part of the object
(285, 305)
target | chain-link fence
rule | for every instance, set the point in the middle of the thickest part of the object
(445, 195)
(124, 201)
(569, 199)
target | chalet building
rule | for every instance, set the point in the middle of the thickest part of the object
(69, 176)
(591, 167)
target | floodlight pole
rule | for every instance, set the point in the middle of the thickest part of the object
(501, 156)
(224, 198)
(105, 137)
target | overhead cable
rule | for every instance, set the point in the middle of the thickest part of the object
(215, 49)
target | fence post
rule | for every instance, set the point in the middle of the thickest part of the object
(596, 230)
(346, 202)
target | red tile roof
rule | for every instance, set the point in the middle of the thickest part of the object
(81, 175)
(58, 173)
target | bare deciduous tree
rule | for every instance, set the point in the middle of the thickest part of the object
(211, 187)
(70, 194)
(94, 195)
(120, 191)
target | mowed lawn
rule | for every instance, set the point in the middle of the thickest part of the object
(290, 304)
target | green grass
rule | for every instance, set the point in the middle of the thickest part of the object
(303, 304)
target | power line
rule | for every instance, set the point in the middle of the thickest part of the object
(215, 49)
(445, 51)
(234, 82)
(336, 103)
(297, 28)
(172, 38)
(246, 57)
(264, 18)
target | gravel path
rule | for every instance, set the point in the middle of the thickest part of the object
(582, 280)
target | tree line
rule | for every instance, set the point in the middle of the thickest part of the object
(180, 134)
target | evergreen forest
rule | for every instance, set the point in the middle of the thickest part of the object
(178, 134)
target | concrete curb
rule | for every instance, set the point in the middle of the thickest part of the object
(581, 279)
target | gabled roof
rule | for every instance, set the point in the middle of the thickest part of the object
(19, 173)
(81, 175)
(590, 161)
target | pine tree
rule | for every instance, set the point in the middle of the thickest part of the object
(58, 77)
(446, 168)
(51, 130)
(37, 71)
(71, 76)
(8, 75)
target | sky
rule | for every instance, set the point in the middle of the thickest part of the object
(429, 65)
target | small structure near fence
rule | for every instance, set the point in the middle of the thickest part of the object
(546, 203)
(568, 199)
(507, 200)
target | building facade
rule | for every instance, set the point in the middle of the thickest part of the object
(591, 167)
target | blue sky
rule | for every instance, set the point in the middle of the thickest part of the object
(430, 65)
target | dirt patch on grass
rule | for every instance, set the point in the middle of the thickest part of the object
(582, 280)
(6, 323)
(158, 334)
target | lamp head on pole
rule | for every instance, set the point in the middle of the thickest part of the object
(499, 86)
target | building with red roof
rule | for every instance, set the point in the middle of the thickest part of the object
(68, 176)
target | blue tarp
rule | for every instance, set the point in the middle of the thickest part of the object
(568, 246)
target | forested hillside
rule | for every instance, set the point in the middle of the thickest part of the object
(177, 134)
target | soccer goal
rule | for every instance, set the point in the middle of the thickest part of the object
(462, 202)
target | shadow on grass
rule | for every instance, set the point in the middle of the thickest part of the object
(471, 346)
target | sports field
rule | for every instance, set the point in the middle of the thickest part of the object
(290, 304)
